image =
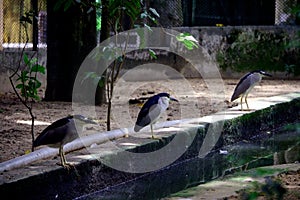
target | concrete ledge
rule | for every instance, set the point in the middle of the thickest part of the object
(92, 179)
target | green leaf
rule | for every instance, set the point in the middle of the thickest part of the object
(191, 38)
(33, 60)
(189, 44)
(68, 5)
(120, 59)
(23, 92)
(144, 15)
(188, 40)
(36, 83)
(19, 86)
(101, 82)
(133, 9)
(148, 27)
(154, 12)
(26, 59)
(185, 36)
(95, 78)
(36, 97)
(19, 79)
(58, 5)
(24, 76)
(152, 19)
(38, 68)
(152, 53)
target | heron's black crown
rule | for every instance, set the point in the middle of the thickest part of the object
(163, 94)
(260, 72)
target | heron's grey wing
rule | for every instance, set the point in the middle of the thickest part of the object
(54, 133)
(146, 116)
(143, 118)
(243, 85)
(155, 112)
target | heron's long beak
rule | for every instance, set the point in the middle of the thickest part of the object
(88, 121)
(266, 74)
(91, 121)
(173, 99)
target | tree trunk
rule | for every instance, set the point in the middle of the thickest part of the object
(71, 37)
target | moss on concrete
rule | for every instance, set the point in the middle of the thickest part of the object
(249, 125)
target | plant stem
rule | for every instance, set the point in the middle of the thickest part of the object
(25, 100)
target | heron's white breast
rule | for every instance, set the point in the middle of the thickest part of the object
(164, 103)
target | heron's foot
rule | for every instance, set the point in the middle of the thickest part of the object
(154, 137)
(231, 104)
(246, 109)
(66, 165)
(69, 166)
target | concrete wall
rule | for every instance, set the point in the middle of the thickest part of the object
(212, 39)
(9, 61)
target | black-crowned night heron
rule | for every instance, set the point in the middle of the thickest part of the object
(152, 110)
(62, 132)
(246, 84)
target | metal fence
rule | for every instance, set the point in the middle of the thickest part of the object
(14, 33)
(172, 13)
(238, 12)
(283, 12)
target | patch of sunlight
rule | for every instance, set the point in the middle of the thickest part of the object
(215, 184)
(242, 179)
(128, 144)
(168, 129)
(86, 157)
(28, 122)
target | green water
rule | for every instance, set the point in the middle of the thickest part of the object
(281, 146)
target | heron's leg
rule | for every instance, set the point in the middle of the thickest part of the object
(63, 160)
(242, 102)
(246, 101)
(62, 156)
(152, 134)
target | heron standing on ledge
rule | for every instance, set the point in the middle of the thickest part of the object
(246, 84)
(60, 133)
(152, 110)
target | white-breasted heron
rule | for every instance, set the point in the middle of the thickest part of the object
(246, 84)
(152, 110)
(62, 132)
